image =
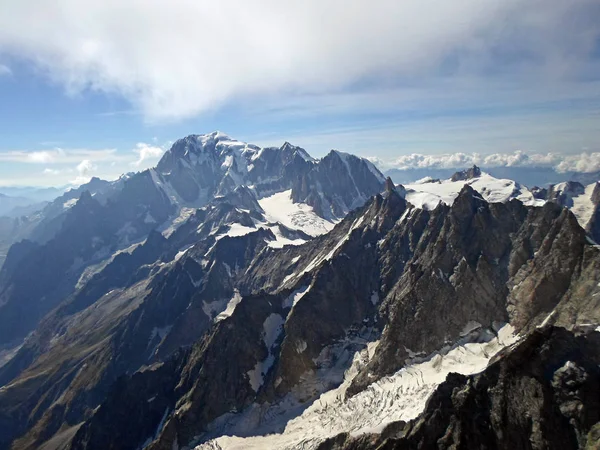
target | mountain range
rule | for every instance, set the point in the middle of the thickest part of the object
(244, 297)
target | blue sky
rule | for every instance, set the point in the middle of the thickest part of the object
(103, 88)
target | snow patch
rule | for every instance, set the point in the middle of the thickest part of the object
(236, 229)
(180, 253)
(375, 297)
(231, 305)
(295, 296)
(214, 308)
(272, 328)
(583, 207)
(301, 346)
(70, 203)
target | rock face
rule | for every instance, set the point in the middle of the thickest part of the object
(544, 394)
(473, 172)
(338, 184)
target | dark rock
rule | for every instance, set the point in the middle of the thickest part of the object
(468, 174)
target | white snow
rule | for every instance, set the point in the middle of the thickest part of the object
(171, 225)
(375, 297)
(424, 180)
(214, 308)
(236, 229)
(323, 256)
(301, 346)
(280, 239)
(583, 208)
(547, 319)
(401, 396)
(295, 296)
(166, 187)
(272, 328)
(180, 253)
(233, 302)
(298, 216)
(69, 203)
(493, 190)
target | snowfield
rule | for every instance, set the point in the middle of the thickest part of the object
(583, 208)
(401, 396)
(427, 194)
(298, 216)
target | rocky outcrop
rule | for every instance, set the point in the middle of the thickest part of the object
(474, 262)
(468, 174)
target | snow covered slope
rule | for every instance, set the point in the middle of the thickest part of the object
(582, 205)
(428, 194)
(299, 216)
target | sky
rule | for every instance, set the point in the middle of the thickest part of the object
(103, 87)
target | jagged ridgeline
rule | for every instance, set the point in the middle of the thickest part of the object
(246, 297)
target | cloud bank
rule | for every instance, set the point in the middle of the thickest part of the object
(58, 156)
(76, 166)
(176, 59)
(583, 162)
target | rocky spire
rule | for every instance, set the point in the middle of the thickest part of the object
(473, 172)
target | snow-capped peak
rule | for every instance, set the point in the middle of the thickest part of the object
(430, 193)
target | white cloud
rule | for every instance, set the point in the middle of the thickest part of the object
(5, 70)
(147, 153)
(48, 171)
(85, 167)
(176, 59)
(586, 162)
(583, 162)
(84, 170)
(58, 156)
